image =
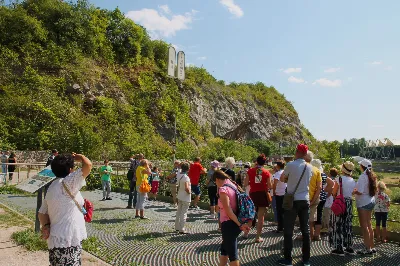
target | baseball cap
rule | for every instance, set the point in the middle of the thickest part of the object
(302, 148)
(366, 163)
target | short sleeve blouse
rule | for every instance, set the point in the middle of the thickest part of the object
(67, 223)
(258, 178)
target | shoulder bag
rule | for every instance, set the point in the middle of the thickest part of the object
(86, 209)
(339, 205)
(288, 199)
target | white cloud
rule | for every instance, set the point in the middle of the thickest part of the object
(292, 79)
(328, 83)
(201, 58)
(332, 70)
(291, 70)
(165, 9)
(233, 8)
(157, 23)
(376, 63)
(389, 68)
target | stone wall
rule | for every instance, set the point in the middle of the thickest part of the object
(32, 156)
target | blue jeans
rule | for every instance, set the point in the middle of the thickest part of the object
(132, 194)
(4, 168)
(301, 208)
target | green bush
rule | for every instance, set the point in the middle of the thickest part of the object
(30, 240)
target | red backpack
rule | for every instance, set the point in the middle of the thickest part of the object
(339, 204)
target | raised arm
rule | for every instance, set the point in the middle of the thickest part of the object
(86, 164)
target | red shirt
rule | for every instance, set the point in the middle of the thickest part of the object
(194, 173)
(258, 178)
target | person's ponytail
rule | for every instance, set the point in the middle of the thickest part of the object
(372, 182)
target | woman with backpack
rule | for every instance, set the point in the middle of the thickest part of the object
(230, 225)
(341, 227)
(365, 201)
(259, 179)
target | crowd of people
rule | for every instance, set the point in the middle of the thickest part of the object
(293, 189)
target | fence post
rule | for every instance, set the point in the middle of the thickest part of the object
(18, 175)
(38, 205)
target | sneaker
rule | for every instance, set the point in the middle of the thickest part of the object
(184, 233)
(373, 250)
(364, 252)
(306, 263)
(337, 252)
(350, 251)
(108, 198)
(103, 199)
(144, 218)
(137, 216)
(285, 262)
(191, 207)
(212, 216)
(129, 207)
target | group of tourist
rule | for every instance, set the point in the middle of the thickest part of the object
(294, 189)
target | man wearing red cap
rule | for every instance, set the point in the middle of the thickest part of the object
(297, 175)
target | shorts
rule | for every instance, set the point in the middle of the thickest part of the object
(313, 211)
(212, 194)
(154, 187)
(325, 217)
(381, 217)
(369, 207)
(259, 198)
(196, 190)
(230, 232)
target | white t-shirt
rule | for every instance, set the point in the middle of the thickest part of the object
(328, 202)
(293, 171)
(281, 186)
(67, 223)
(363, 187)
(182, 194)
(348, 185)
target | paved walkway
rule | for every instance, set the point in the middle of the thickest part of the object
(129, 241)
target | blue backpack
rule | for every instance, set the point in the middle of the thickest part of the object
(245, 206)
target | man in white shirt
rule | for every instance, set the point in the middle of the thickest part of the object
(298, 173)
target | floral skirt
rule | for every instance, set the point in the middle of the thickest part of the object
(70, 256)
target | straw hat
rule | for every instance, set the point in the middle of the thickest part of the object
(347, 167)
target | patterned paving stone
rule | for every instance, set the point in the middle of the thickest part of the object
(129, 241)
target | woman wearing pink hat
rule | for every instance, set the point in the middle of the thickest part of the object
(212, 189)
(365, 201)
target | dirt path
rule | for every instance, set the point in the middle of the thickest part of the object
(13, 255)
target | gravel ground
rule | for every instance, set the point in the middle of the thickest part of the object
(127, 241)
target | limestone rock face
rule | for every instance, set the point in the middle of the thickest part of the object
(233, 118)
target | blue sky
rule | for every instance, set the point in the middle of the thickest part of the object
(337, 61)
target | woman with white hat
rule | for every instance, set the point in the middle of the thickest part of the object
(341, 227)
(365, 200)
